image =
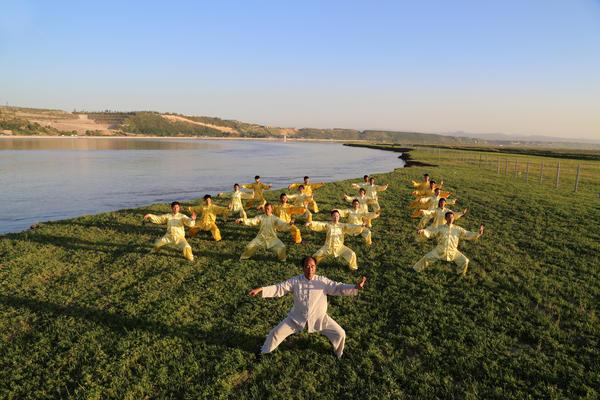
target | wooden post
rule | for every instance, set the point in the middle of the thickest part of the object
(527, 172)
(506, 167)
(516, 167)
(480, 161)
(577, 180)
(498, 170)
(557, 175)
(541, 172)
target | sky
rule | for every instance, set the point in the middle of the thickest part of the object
(512, 66)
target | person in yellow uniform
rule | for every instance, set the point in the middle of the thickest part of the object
(448, 236)
(267, 234)
(430, 191)
(437, 216)
(334, 240)
(286, 212)
(257, 190)
(208, 218)
(175, 236)
(371, 191)
(362, 199)
(309, 188)
(235, 205)
(428, 203)
(301, 199)
(422, 185)
(358, 217)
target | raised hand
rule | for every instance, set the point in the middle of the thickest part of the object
(193, 215)
(360, 284)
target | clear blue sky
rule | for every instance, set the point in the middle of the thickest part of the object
(512, 66)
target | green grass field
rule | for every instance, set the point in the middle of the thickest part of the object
(87, 312)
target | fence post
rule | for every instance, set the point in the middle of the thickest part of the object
(527, 172)
(541, 172)
(480, 161)
(516, 168)
(506, 167)
(557, 175)
(498, 171)
(577, 180)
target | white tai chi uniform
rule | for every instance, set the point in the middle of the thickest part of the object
(309, 310)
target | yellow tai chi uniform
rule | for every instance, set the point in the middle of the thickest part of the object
(334, 241)
(358, 217)
(371, 194)
(363, 202)
(208, 219)
(427, 203)
(267, 236)
(308, 190)
(302, 200)
(447, 237)
(421, 185)
(235, 204)
(175, 235)
(285, 212)
(258, 196)
(437, 216)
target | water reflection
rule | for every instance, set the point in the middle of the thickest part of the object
(117, 143)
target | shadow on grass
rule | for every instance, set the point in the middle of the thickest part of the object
(223, 336)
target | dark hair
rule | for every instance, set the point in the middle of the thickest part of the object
(436, 189)
(257, 177)
(365, 176)
(207, 196)
(175, 203)
(307, 177)
(448, 213)
(355, 200)
(425, 174)
(300, 186)
(236, 184)
(281, 195)
(371, 179)
(304, 260)
(267, 205)
(441, 199)
(362, 190)
(334, 211)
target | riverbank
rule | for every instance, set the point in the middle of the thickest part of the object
(87, 310)
(405, 153)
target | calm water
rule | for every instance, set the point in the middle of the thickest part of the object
(56, 178)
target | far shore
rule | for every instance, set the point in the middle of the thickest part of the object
(179, 137)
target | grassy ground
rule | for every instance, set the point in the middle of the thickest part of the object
(87, 312)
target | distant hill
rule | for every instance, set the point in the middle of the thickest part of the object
(31, 121)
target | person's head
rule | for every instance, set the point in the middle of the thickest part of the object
(257, 178)
(335, 216)
(309, 266)
(236, 187)
(366, 178)
(437, 191)
(442, 203)
(426, 177)
(449, 216)
(283, 198)
(355, 204)
(301, 188)
(362, 192)
(372, 180)
(207, 199)
(269, 209)
(431, 184)
(175, 206)
(306, 179)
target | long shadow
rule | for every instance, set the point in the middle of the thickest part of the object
(223, 336)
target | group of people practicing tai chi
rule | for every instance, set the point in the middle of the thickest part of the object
(310, 290)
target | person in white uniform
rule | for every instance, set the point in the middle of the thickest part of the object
(310, 293)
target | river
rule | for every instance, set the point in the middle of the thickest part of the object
(43, 179)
